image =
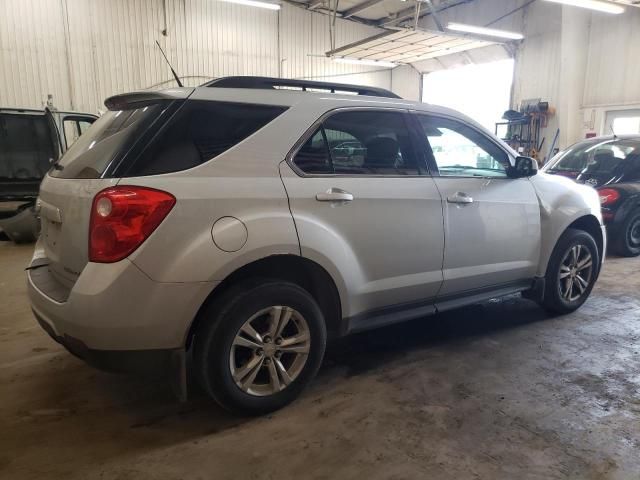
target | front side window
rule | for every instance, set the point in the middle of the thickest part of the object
(360, 142)
(313, 156)
(462, 151)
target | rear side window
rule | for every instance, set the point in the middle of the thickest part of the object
(106, 141)
(27, 146)
(360, 142)
(200, 131)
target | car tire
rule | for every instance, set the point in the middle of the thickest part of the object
(569, 280)
(627, 243)
(236, 358)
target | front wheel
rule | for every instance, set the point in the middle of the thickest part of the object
(259, 346)
(628, 242)
(572, 272)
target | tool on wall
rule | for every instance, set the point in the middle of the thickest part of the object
(552, 151)
(524, 126)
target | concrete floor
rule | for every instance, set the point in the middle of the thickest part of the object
(492, 391)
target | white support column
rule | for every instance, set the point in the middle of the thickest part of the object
(574, 41)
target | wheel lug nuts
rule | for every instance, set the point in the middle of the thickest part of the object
(259, 352)
(267, 339)
(278, 341)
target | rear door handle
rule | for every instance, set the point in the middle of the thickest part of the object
(460, 197)
(334, 195)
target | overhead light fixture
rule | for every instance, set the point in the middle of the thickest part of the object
(597, 5)
(364, 61)
(492, 32)
(255, 3)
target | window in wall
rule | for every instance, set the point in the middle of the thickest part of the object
(625, 125)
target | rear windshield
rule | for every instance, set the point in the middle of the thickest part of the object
(26, 146)
(596, 158)
(200, 131)
(107, 140)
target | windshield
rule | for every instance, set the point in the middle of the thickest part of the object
(108, 139)
(605, 157)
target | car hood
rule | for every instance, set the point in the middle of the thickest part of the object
(591, 179)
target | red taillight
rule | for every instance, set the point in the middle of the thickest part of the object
(122, 218)
(608, 196)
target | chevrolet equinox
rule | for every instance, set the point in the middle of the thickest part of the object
(228, 230)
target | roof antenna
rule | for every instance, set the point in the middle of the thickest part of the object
(175, 75)
(615, 137)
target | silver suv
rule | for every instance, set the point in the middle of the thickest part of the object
(229, 230)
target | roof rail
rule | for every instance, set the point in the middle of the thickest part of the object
(271, 83)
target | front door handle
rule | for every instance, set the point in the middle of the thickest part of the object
(460, 197)
(334, 195)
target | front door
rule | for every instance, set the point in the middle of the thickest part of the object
(364, 207)
(492, 223)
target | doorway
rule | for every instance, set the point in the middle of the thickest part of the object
(482, 91)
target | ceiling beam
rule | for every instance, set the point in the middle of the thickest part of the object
(410, 13)
(359, 7)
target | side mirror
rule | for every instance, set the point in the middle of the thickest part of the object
(524, 167)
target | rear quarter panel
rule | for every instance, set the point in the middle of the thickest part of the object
(244, 183)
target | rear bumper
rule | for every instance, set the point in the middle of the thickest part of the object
(144, 362)
(115, 310)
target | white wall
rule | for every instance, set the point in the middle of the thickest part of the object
(83, 51)
(583, 63)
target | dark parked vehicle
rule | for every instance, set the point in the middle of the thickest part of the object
(30, 142)
(612, 166)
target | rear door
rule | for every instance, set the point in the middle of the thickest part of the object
(491, 222)
(362, 201)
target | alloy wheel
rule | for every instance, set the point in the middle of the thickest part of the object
(270, 350)
(576, 272)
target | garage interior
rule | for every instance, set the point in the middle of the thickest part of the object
(496, 390)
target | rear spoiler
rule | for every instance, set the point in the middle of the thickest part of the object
(129, 101)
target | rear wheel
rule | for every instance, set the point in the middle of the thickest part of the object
(572, 272)
(259, 346)
(628, 242)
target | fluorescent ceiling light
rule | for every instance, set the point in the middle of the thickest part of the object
(255, 3)
(461, 27)
(364, 61)
(605, 7)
